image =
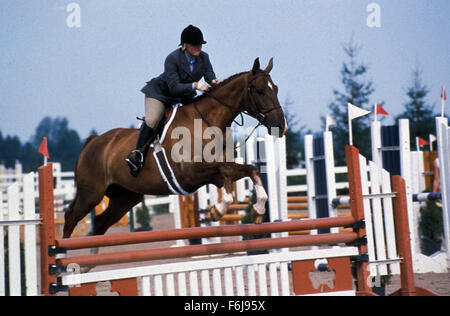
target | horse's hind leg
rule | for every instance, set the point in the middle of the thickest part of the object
(118, 206)
(85, 201)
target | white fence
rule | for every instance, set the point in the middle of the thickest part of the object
(20, 213)
(412, 170)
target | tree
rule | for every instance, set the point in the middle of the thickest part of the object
(64, 144)
(417, 110)
(357, 90)
(10, 147)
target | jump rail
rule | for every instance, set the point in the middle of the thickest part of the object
(51, 268)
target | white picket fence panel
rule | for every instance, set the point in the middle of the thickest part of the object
(263, 275)
(443, 136)
(20, 213)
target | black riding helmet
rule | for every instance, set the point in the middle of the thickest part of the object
(192, 35)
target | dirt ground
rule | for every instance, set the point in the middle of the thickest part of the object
(440, 283)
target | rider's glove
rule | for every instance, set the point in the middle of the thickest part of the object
(202, 86)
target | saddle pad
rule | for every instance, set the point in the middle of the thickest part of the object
(164, 167)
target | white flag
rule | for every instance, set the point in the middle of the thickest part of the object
(354, 112)
(329, 122)
(432, 138)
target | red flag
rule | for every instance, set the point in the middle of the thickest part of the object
(43, 148)
(422, 142)
(443, 95)
(381, 110)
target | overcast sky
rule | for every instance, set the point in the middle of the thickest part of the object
(93, 74)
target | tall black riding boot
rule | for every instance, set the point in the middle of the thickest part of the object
(135, 159)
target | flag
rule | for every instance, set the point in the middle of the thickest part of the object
(355, 112)
(422, 142)
(432, 138)
(329, 122)
(443, 94)
(381, 110)
(43, 148)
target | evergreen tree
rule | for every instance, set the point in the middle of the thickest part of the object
(10, 147)
(357, 90)
(417, 110)
(64, 144)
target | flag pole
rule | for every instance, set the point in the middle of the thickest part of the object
(350, 132)
(375, 113)
(417, 143)
(443, 97)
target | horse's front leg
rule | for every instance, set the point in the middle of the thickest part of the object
(220, 209)
(259, 208)
(231, 172)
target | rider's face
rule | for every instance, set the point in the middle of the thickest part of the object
(194, 50)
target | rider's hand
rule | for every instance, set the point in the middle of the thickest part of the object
(202, 86)
(216, 81)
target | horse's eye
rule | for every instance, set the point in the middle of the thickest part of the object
(261, 92)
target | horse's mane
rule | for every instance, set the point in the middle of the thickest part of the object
(221, 84)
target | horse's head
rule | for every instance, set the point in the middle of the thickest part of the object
(262, 101)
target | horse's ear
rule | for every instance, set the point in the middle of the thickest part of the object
(269, 66)
(256, 66)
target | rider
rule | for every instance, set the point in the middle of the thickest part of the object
(183, 69)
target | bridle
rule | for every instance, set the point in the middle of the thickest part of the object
(249, 107)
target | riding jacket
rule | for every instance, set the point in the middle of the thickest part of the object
(174, 85)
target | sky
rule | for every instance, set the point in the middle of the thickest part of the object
(93, 74)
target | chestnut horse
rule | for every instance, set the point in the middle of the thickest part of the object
(101, 168)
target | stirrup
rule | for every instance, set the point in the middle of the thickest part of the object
(131, 163)
(141, 154)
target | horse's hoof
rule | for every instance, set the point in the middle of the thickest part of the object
(256, 217)
(215, 215)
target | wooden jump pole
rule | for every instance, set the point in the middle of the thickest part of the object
(199, 250)
(202, 232)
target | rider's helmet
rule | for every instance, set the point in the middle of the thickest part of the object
(192, 35)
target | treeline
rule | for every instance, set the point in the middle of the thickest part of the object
(357, 89)
(64, 145)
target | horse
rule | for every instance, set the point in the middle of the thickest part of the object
(101, 168)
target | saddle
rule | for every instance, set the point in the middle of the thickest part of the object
(161, 124)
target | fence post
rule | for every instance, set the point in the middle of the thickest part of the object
(47, 227)
(364, 281)
(403, 237)
(443, 136)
